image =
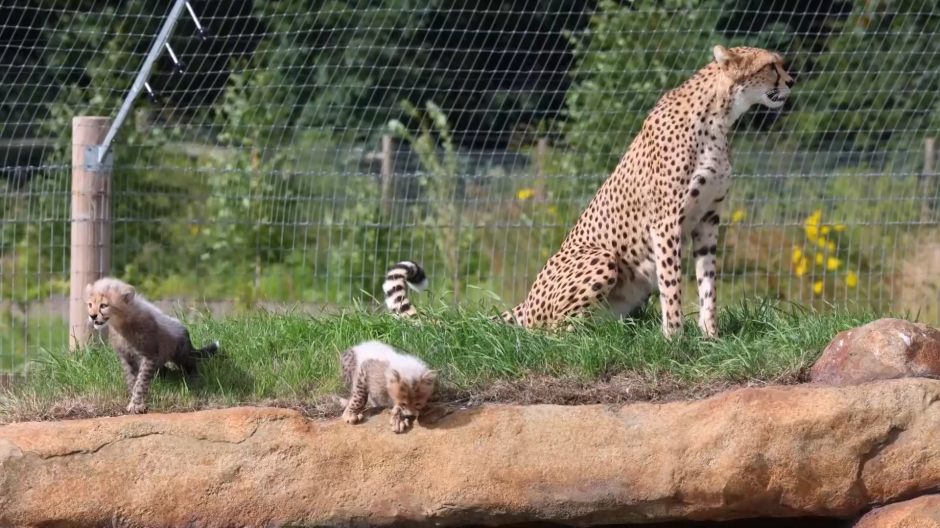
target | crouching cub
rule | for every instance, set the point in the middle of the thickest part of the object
(144, 338)
(380, 376)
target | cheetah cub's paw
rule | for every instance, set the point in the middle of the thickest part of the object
(398, 421)
(136, 408)
(351, 417)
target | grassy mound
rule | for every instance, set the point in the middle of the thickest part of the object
(292, 360)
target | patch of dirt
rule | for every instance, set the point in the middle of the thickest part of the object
(619, 389)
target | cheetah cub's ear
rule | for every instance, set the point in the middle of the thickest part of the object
(127, 293)
(89, 289)
(428, 378)
(724, 56)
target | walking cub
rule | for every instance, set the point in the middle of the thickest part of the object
(378, 375)
(144, 338)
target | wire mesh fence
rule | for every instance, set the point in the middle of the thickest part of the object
(303, 146)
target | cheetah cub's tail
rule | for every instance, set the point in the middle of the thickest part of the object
(405, 273)
(207, 351)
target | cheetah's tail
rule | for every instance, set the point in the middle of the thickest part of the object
(207, 351)
(405, 273)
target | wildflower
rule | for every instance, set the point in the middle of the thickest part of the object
(825, 230)
(797, 254)
(553, 210)
(802, 268)
(812, 233)
(851, 280)
(819, 258)
(812, 225)
(813, 219)
(822, 242)
(839, 227)
(818, 287)
(525, 194)
(832, 246)
(738, 216)
(833, 264)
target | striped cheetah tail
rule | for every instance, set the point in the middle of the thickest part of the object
(400, 277)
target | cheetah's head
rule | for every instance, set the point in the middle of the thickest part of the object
(756, 76)
(411, 394)
(107, 298)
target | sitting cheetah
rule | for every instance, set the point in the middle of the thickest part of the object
(669, 185)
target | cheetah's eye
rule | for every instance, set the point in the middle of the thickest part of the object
(772, 67)
(102, 306)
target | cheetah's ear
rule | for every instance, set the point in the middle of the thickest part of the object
(127, 293)
(429, 377)
(89, 289)
(394, 376)
(724, 56)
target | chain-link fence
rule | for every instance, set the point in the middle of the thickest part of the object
(289, 151)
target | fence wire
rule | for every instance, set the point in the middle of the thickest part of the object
(306, 145)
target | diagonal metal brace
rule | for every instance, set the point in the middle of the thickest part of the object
(142, 76)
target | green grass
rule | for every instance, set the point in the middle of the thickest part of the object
(292, 360)
(23, 338)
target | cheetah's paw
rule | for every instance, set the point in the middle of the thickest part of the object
(136, 408)
(351, 417)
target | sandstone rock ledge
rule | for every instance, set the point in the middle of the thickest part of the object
(779, 451)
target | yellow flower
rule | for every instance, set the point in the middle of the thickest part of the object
(839, 227)
(813, 219)
(833, 264)
(825, 230)
(525, 194)
(819, 258)
(738, 216)
(832, 246)
(193, 230)
(812, 233)
(553, 210)
(851, 280)
(797, 254)
(802, 268)
(822, 242)
(818, 287)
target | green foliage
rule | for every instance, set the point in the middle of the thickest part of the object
(625, 62)
(875, 87)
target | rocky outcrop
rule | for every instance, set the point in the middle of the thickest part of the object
(922, 512)
(754, 452)
(883, 349)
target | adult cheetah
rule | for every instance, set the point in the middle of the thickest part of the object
(669, 185)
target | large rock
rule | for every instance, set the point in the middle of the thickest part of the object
(755, 452)
(922, 512)
(883, 349)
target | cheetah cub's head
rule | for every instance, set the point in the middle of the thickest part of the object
(411, 394)
(108, 298)
(756, 76)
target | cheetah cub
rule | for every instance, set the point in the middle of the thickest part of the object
(380, 376)
(144, 338)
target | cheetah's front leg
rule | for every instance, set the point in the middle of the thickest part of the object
(667, 249)
(359, 396)
(705, 249)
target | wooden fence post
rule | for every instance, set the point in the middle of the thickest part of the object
(541, 169)
(388, 168)
(929, 183)
(90, 219)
